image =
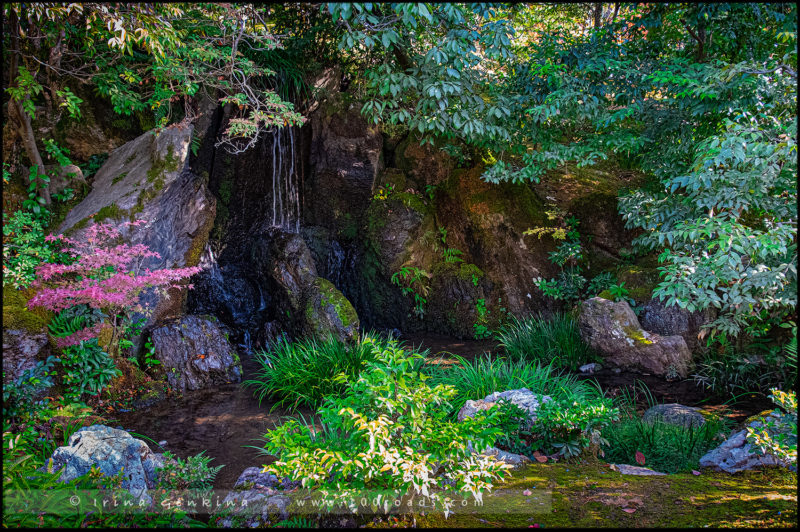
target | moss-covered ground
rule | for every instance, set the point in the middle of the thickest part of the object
(593, 495)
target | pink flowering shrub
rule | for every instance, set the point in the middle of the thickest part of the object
(106, 275)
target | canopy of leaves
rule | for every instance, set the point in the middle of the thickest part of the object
(700, 96)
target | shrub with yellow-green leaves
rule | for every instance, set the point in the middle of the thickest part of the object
(389, 437)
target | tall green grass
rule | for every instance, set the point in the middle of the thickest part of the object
(544, 340)
(485, 375)
(303, 373)
(666, 448)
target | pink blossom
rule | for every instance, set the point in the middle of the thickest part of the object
(105, 276)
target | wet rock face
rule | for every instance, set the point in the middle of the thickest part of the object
(309, 304)
(111, 450)
(613, 330)
(195, 354)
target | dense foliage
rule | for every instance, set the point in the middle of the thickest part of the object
(701, 96)
(388, 438)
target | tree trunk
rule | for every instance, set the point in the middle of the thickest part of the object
(25, 131)
(598, 14)
(24, 127)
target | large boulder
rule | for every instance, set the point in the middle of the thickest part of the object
(148, 179)
(737, 454)
(195, 353)
(315, 306)
(670, 321)
(328, 312)
(613, 330)
(111, 450)
(675, 414)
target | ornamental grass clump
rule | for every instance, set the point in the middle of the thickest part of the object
(388, 438)
(543, 340)
(305, 372)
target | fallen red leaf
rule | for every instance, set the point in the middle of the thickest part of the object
(629, 510)
(639, 458)
(539, 457)
(695, 472)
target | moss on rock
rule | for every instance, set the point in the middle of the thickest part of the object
(330, 295)
(17, 315)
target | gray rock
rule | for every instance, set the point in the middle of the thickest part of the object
(318, 308)
(590, 368)
(675, 414)
(735, 454)
(21, 350)
(507, 457)
(522, 397)
(110, 450)
(613, 330)
(148, 179)
(670, 321)
(626, 469)
(257, 478)
(259, 505)
(62, 177)
(194, 353)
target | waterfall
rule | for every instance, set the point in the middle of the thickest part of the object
(285, 190)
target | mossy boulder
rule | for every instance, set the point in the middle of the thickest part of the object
(614, 332)
(328, 312)
(25, 339)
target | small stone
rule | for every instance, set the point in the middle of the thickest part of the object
(675, 414)
(589, 368)
(162, 443)
(626, 469)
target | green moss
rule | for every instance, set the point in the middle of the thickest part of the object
(330, 295)
(119, 178)
(161, 167)
(130, 158)
(636, 335)
(349, 227)
(192, 256)
(411, 201)
(606, 294)
(592, 495)
(469, 272)
(225, 191)
(639, 281)
(15, 317)
(109, 212)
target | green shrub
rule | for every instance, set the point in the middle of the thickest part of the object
(484, 375)
(306, 372)
(536, 338)
(757, 368)
(666, 447)
(388, 435)
(194, 473)
(24, 248)
(19, 395)
(778, 437)
(87, 368)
